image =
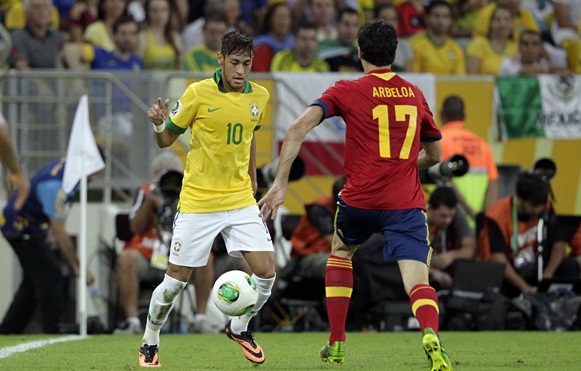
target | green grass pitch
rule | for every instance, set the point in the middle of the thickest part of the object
(299, 351)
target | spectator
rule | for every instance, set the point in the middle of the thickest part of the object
(302, 58)
(135, 263)
(31, 232)
(276, 36)
(341, 53)
(404, 55)
(17, 180)
(323, 14)
(522, 19)
(478, 189)
(311, 239)
(204, 58)
(193, 35)
(434, 51)
(125, 39)
(16, 18)
(485, 54)
(412, 17)
(451, 236)
(576, 245)
(5, 45)
(82, 14)
(530, 60)
(509, 236)
(161, 45)
(100, 32)
(464, 15)
(37, 45)
(566, 29)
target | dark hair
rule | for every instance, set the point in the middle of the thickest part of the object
(266, 27)
(437, 3)
(532, 188)
(345, 11)
(378, 42)
(124, 19)
(101, 10)
(215, 17)
(305, 25)
(379, 9)
(235, 42)
(453, 108)
(494, 13)
(529, 32)
(443, 196)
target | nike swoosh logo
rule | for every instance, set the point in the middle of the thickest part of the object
(249, 350)
(213, 109)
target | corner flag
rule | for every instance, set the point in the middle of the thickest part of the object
(83, 157)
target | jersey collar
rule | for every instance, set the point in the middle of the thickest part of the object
(218, 80)
(382, 73)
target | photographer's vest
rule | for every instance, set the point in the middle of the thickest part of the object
(144, 241)
(503, 214)
(307, 239)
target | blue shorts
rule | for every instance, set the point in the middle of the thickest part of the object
(405, 231)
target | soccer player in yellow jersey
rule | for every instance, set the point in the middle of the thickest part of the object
(217, 195)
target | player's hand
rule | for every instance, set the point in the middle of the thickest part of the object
(90, 278)
(19, 183)
(271, 201)
(157, 113)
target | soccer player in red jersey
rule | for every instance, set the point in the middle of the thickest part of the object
(390, 135)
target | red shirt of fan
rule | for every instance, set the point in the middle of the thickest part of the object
(386, 119)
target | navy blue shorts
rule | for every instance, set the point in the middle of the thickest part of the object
(405, 231)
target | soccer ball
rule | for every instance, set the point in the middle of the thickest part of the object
(235, 293)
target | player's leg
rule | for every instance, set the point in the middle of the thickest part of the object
(247, 235)
(190, 247)
(203, 281)
(407, 236)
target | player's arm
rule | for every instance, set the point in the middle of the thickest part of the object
(157, 114)
(252, 165)
(430, 154)
(309, 119)
(17, 180)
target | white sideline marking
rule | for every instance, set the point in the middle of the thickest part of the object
(8, 351)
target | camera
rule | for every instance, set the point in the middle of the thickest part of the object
(169, 184)
(453, 166)
(545, 168)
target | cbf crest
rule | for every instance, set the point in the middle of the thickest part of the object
(254, 111)
(177, 246)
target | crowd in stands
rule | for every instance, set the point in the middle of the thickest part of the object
(441, 37)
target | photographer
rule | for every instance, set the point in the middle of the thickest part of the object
(145, 256)
(509, 236)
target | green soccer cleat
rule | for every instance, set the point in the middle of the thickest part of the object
(333, 353)
(437, 356)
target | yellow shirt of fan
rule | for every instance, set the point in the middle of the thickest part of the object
(222, 126)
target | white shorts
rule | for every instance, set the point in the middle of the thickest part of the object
(193, 235)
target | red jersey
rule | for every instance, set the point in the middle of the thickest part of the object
(386, 118)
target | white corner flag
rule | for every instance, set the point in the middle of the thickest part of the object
(83, 156)
(83, 159)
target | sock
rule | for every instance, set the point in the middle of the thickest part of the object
(338, 288)
(264, 285)
(199, 317)
(161, 304)
(424, 302)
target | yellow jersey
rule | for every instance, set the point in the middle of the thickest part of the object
(481, 48)
(445, 59)
(222, 127)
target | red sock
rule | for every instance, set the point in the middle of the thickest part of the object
(424, 301)
(338, 287)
